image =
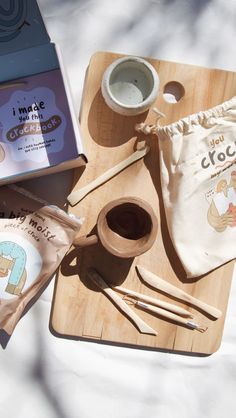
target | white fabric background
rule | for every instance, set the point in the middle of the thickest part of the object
(44, 376)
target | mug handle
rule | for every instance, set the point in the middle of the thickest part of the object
(85, 241)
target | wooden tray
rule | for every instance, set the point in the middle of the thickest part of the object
(79, 309)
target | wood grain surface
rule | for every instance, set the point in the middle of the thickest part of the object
(79, 309)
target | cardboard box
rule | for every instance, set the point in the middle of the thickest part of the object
(39, 133)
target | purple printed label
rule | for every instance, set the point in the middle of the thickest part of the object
(33, 125)
(36, 130)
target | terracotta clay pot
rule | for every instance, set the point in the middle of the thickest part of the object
(126, 227)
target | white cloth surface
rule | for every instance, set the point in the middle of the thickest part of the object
(45, 376)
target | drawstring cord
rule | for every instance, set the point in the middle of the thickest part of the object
(159, 115)
(150, 129)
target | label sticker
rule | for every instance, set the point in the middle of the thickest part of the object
(33, 126)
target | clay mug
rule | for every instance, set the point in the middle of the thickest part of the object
(126, 227)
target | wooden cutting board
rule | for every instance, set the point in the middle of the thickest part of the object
(79, 309)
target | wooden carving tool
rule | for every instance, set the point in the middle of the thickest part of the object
(78, 195)
(169, 315)
(154, 301)
(141, 325)
(162, 285)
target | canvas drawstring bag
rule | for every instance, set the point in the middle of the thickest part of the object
(198, 177)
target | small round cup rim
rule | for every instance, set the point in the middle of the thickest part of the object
(136, 201)
(107, 76)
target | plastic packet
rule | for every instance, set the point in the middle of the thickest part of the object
(34, 237)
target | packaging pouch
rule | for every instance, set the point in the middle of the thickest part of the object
(198, 176)
(34, 237)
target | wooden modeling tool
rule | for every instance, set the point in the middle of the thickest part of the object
(162, 285)
(118, 301)
(153, 301)
(169, 315)
(76, 196)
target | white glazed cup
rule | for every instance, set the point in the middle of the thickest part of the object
(130, 85)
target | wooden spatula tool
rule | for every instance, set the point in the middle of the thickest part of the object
(162, 285)
(76, 196)
(118, 301)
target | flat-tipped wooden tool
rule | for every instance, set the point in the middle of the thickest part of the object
(162, 285)
(140, 324)
(76, 196)
(154, 301)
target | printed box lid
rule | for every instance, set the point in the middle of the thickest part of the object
(21, 26)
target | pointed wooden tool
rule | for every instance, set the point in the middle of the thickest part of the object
(76, 196)
(154, 301)
(141, 325)
(170, 315)
(162, 285)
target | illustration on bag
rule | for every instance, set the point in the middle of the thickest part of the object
(13, 261)
(222, 211)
